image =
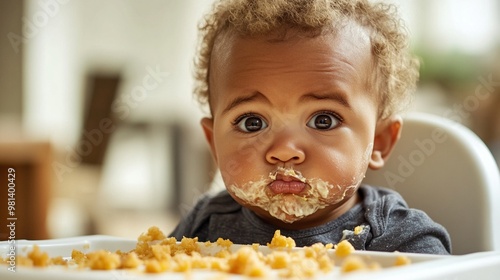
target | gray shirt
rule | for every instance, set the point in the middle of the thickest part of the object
(388, 225)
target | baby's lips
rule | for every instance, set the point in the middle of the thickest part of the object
(287, 187)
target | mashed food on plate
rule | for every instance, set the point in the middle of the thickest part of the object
(155, 253)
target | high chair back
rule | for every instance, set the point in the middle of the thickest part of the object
(444, 169)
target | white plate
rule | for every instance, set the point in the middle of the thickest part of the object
(480, 266)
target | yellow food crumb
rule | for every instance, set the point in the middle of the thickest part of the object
(279, 259)
(103, 260)
(325, 263)
(353, 263)
(161, 252)
(280, 241)
(224, 242)
(224, 253)
(187, 246)
(402, 260)
(256, 246)
(183, 262)
(246, 262)
(343, 249)
(58, 261)
(78, 257)
(358, 230)
(155, 266)
(39, 258)
(154, 233)
(130, 260)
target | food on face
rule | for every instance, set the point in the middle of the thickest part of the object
(295, 199)
(155, 253)
(289, 172)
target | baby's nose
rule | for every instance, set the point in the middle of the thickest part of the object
(286, 148)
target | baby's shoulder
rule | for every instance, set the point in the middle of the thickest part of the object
(381, 197)
(386, 210)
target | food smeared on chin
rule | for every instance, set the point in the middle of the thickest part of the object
(289, 196)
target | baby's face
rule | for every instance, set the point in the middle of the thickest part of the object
(293, 123)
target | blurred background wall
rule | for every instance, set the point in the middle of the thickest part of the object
(107, 85)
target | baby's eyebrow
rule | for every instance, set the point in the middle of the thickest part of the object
(242, 99)
(333, 96)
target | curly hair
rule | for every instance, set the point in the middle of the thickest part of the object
(396, 71)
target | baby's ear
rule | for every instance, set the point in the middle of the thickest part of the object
(208, 128)
(387, 135)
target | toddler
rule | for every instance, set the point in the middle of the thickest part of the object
(304, 96)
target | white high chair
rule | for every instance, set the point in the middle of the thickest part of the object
(444, 169)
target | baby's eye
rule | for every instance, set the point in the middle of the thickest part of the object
(250, 123)
(324, 121)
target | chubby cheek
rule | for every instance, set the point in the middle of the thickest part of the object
(343, 166)
(239, 163)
